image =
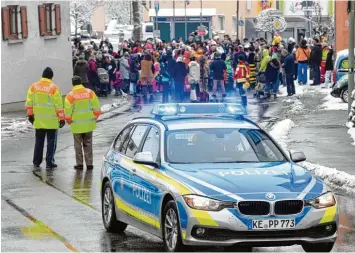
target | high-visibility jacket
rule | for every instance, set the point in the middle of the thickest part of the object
(242, 72)
(45, 102)
(82, 109)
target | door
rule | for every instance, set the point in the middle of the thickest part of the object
(164, 31)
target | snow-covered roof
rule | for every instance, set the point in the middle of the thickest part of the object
(180, 12)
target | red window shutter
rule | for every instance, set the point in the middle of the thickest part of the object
(42, 20)
(58, 19)
(24, 26)
(5, 23)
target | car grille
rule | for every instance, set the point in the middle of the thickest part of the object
(288, 207)
(215, 234)
(254, 207)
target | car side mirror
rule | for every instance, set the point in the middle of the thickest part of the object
(145, 158)
(297, 156)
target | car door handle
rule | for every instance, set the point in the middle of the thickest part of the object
(116, 162)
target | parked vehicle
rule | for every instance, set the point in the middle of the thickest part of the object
(341, 65)
(340, 89)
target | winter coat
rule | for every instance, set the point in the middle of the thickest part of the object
(289, 64)
(171, 65)
(180, 72)
(316, 54)
(303, 54)
(147, 72)
(81, 69)
(92, 68)
(265, 60)
(111, 69)
(194, 72)
(272, 71)
(329, 65)
(218, 67)
(124, 68)
(118, 81)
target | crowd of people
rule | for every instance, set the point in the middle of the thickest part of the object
(202, 71)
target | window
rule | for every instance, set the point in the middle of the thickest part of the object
(149, 29)
(121, 138)
(221, 146)
(14, 22)
(135, 141)
(49, 19)
(234, 25)
(151, 143)
(221, 21)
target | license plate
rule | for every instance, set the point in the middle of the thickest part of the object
(273, 224)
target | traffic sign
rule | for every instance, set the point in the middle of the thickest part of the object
(202, 32)
(156, 6)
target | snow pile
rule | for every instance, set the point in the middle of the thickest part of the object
(110, 107)
(280, 132)
(332, 177)
(294, 105)
(10, 126)
(333, 104)
(351, 131)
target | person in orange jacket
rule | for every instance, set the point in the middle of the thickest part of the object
(241, 78)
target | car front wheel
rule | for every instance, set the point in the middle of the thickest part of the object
(171, 229)
(318, 247)
(108, 211)
(345, 95)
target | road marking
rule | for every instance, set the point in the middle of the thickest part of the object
(40, 223)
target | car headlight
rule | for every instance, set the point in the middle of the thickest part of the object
(203, 203)
(323, 201)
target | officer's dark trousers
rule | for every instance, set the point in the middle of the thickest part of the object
(39, 145)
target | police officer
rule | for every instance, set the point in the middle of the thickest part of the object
(82, 109)
(44, 105)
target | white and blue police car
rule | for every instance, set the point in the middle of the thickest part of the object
(205, 175)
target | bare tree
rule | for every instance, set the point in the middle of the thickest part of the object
(137, 19)
(119, 10)
(81, 12)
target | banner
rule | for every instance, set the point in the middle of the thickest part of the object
(264, 4)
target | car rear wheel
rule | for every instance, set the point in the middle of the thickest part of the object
(318, 247)
(171, 229)
(345, 95)
(109, 213)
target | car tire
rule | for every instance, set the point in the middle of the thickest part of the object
(345, 95)
(318, 247)
(171, 219)
(109, 217)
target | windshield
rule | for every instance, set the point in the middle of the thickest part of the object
(221, 146)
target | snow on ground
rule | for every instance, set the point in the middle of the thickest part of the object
(351, 131)
(331, 176)
(11, 126)
(333, 104)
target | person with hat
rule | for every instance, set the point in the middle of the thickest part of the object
(82, 109)
(44, 105)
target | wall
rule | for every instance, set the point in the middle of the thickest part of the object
(23, 63)
(341, 25)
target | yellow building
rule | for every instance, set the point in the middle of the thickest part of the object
(222, 14)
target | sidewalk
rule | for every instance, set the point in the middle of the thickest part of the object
(14, 124)
(315, 123)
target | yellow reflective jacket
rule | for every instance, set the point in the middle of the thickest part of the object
(82, 109)
(45, 102)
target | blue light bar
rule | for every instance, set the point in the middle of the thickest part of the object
(220, 109)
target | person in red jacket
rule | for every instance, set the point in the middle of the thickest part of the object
(241, 78)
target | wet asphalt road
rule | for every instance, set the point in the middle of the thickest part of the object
(60, 209)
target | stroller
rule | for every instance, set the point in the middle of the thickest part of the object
(260, 86)
(104, 81)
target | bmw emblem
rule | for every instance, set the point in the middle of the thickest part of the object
(270, 196)
(182, 109)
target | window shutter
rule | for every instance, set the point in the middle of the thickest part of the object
(24, 26)
(42, 19)
(5, 23)
(58, 19)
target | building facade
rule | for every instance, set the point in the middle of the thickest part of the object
(35, 35)
(341, 25)
(220, 14)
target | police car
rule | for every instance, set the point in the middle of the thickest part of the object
(205, 175)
